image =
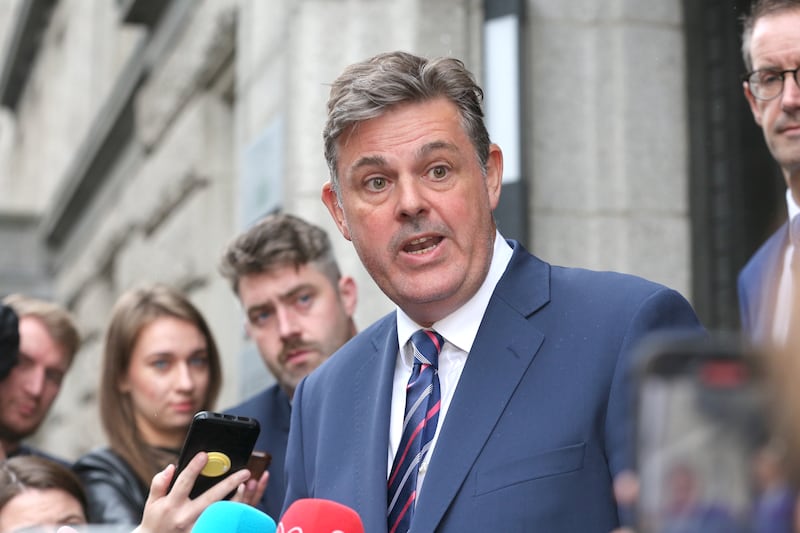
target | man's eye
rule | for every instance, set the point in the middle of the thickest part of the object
(768, 77)
(160, 364)
(54, 376)
(438, 173)
(376, 184)
(304, 300)
(259, 318)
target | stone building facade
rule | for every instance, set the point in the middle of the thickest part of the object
(138, 136)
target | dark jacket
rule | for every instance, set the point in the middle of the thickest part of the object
(273, 411)
(115, 494)
(24, 449)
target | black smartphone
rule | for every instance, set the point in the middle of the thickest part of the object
(228, 439)
(706, 457)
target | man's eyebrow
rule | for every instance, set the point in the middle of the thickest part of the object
(424, 150)
(437, 145)
(257, 308)
(289, 294)
(369, 161)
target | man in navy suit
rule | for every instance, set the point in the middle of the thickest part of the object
(534, 367)
(771, 50)
(299, 311)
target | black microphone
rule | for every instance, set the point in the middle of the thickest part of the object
(9, 340)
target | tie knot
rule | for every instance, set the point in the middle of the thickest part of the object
(427, 345)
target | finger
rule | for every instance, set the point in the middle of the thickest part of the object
(222, 489)
(160, 483)
(247, 492)
(252, 491)
(240, 495)
(261, 486)
(183, 485)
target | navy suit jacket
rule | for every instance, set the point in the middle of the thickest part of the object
(538, 424)
(758, 286)
(272, 409)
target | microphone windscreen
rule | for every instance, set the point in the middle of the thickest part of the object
(314, 515)
(233, 517)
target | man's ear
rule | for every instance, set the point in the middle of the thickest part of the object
(331, 201)
(753, 102)
(348, 293)
(494, 174)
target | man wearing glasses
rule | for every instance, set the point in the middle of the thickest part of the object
(769, 285)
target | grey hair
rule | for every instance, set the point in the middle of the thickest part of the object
(367, 89)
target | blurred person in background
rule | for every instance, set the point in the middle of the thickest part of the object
(769, 284)
(48, 341)
(37, 494)
(35, 491)
(299, 310)
(160, 366)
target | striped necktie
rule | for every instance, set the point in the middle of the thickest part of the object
(419, 426)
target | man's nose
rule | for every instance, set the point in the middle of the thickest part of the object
(34, 381)
(790, 97)
(411, 200)
(288, 325)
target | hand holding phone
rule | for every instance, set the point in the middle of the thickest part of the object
(169, 509)
(227, 439)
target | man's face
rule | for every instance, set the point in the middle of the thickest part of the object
(417, 207)
(775, 44)
(297, 318)
(28, 392)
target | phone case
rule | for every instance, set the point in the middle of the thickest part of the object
(228, 440)
(258, 463)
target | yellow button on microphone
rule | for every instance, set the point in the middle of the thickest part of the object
(218, 463)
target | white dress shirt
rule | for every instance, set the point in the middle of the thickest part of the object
(783, 301)
(458, 330)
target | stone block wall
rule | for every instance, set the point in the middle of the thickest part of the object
(228, 104)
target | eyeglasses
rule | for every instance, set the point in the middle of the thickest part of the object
(767, 83)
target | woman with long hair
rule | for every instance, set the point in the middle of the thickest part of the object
(160, 366)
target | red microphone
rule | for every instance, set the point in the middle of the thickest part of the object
(314, 515)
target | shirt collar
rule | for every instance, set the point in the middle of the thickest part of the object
(794, 217)
(791, 205)
(460, 327)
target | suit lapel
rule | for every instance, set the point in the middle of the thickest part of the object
(504, 348)
(372, 383)
(767, 289)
